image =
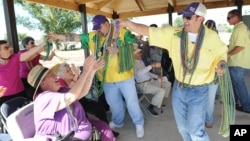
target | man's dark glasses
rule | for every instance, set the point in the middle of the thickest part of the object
(187, 17)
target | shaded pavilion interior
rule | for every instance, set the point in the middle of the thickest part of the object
(113, 9)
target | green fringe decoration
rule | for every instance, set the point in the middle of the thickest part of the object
(126, 57)
(85, 41)
(228, 102)
(47, 49)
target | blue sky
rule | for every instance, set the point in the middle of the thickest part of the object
(220, 18)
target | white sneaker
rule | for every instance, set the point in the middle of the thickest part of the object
(112, 125)
(139, 131)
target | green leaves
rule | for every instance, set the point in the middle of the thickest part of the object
(49, 19)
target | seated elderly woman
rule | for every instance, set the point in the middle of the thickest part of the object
(67, 76)
(57, 109)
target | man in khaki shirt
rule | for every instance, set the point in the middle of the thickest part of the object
(238, 59)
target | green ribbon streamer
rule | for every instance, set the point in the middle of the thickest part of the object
(47, 49)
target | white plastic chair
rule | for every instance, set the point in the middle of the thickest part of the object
(21, 125)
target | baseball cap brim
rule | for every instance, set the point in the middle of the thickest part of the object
(185, 13)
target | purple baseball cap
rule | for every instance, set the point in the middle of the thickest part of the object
(97, 21)
(194, 8)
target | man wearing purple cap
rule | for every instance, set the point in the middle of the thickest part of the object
(196, 53)
(114, 44)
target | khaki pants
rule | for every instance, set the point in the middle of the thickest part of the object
(154, 87)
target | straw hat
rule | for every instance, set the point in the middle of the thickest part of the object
(37, 74)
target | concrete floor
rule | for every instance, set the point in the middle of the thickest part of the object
(163, 128)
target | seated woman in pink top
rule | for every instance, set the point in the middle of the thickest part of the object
(9, 69)
(57, 109)
(25, 66)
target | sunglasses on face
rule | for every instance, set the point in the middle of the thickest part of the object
(187, 17)
(32, 42)
(229, 17)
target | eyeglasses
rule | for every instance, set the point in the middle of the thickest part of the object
(190, 17)
(187, 17)
(229, 18)
(32, 43)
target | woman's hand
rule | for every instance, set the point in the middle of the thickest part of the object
(91, 64)
(53, 37)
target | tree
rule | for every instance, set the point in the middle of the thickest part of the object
(48, 19)
(178, 22)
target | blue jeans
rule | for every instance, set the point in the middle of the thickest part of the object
(240, 90)
(212, 89)
(114, 93)
(188, 106)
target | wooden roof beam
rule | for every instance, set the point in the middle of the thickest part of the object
(103, 3)
(84, 1)
(116, 4)
(172, 2)
(143, 13)
(140, 5)
(59, 4)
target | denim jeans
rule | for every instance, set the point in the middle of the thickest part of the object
(212, 89)
(114, 93)
(189, 106)
(240, 90)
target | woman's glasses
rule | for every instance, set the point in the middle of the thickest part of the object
(32, 42)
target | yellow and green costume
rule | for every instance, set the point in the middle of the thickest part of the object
(119, 66)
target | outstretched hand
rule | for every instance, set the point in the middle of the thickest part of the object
(91, 64)
(53, 37)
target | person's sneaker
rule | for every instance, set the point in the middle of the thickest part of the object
(152, 112)
(139, 131)
(112, 125)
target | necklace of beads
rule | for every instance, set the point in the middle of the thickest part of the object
(228, 102)
(189, 63)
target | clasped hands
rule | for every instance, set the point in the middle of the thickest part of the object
(156, 65)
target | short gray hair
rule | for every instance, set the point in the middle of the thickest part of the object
(61, 68)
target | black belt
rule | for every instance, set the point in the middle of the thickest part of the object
(184, 85)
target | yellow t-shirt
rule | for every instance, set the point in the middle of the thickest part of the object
(212, 51)
(240, 37)
(112, 73)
